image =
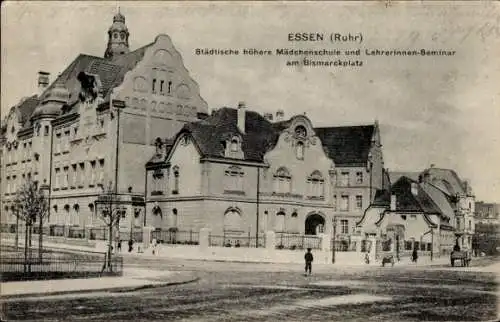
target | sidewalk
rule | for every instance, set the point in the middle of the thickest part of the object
(423, 261)
(132, 279)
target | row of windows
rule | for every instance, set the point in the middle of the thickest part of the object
(160, 86)
(344, 202)
(343, 178)
(14, 182)
(21, 152)
(75, 175)
(158, 184)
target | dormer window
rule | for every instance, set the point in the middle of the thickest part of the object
(185, 140)
(234, 145)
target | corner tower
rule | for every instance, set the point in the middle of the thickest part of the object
(117, 37)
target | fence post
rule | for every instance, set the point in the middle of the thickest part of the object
(324, 242)
(146, 236)
(204, 238)
(270, 240)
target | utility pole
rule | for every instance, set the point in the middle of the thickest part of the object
(334, 221)
(257, 223)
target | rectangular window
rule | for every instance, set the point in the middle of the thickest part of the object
(344, 203)
(359, 177)
(14, 184)
(344, 226)
(46, 130)
(58, 143)
(101, 172)
(74, 176)
(65, 177)
(58, 178)
(81, 180)
(92, 173)
(161, 86)
(334, 202)
(359, 202)
(344, 179)
(66, 140)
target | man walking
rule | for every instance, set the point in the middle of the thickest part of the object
(309, 259)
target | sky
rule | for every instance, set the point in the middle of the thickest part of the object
(431, 110)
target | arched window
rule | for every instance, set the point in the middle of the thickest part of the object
(232, 221)
(234, 145)
(294, 222)
(157, 182)
(233, 179)
(300, 131)
(172, 219)
(280, 222)
(282, 181)
(316, 184)
(300, 150)
(176, 180)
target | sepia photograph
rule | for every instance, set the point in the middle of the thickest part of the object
(250, 161)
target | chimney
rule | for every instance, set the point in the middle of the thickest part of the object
(280, 115)
(43, 81)
(393, 203)
(241, 116)
(268, 116)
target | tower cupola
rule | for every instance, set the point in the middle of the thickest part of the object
(117, 37)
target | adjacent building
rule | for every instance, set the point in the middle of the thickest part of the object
(431, 211)
(487, 213)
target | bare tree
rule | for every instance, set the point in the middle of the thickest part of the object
(109, 211)
(32, 206)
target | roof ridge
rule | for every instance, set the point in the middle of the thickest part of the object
(345, 126)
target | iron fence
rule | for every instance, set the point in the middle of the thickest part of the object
(76, 233)
(297, 241)
(235, 241)
(185, 237)
(55, 265)
(135, 235)
(99, 233)
(343, 245)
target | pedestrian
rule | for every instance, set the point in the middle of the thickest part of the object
(308, 257)
(130, 245)
(153, 244)
(119, 246)
(414, 255)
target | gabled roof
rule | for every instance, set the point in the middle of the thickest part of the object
(210, 133)
(445, 179)
(406, 201)
(347, 145)
(439, 198)
(110, 72)
(395, 175)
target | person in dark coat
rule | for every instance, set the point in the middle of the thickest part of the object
(308, 257)
(119, 246)
(414, 255)
(130, 245)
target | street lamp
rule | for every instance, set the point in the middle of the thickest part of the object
(334, 222)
